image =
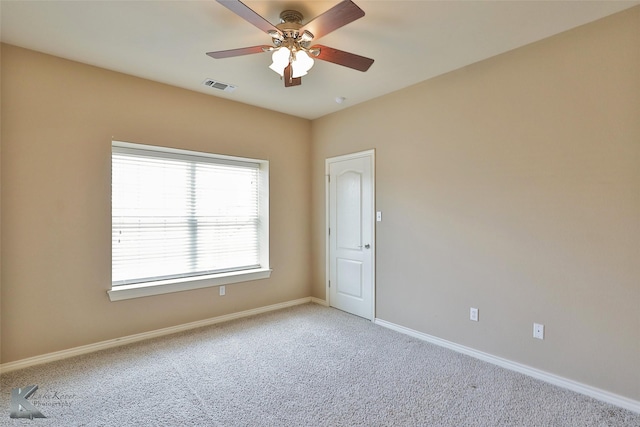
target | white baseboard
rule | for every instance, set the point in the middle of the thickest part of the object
(596, 393)
(76, 351)
(319, 301)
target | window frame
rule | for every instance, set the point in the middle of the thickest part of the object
(158, 287)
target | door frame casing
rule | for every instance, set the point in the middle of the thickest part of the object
(371, 154)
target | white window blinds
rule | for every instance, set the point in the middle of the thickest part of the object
(179, 215)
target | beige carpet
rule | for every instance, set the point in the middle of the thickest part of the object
(304, 366)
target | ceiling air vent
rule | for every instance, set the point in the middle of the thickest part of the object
(219, 85)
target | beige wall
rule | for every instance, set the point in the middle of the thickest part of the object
(58, 120)
(511, 185)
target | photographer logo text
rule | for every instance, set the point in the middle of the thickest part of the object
(20, 406)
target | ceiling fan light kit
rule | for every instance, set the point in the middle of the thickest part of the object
(299, 60)
(292, 54)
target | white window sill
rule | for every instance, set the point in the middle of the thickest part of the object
(185, 284)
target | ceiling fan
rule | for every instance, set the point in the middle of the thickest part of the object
(292, 53)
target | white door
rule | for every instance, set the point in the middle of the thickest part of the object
(350, 248)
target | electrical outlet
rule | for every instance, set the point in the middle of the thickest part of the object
(538, 331)
(223, 290)
(473, 314)
(378, 216)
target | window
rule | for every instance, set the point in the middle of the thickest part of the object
(184, 220)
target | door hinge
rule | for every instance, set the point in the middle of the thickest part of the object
(329, 283)
(329, 231)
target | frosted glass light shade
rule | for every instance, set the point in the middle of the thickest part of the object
(301, 65)
(280, 60)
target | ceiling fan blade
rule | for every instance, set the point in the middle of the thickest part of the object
(237, 52)
(334, 18)
(288, 79)
(343, 58)
(246, 13)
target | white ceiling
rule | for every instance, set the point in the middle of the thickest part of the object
(166, 41)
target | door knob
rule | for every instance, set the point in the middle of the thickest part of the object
(367, 246)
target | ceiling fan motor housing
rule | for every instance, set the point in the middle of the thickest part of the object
(290, 25)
